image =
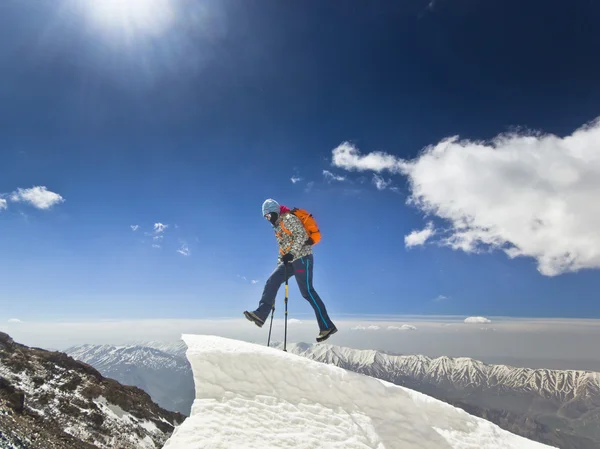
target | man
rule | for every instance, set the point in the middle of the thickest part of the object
(295, 255)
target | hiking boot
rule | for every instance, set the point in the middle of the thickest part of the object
(325, 334)
(251, 316)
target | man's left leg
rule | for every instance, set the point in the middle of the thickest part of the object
(303, 270)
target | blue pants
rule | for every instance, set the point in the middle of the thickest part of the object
(302, 269)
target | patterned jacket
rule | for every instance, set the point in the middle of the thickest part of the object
(291, 236)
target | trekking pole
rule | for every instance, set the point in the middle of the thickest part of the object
(286, 312)
(271, 325)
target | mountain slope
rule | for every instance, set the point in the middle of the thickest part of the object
(555, 407)
(177, 348)
(165, 376)
(49, 400)
(253, 396)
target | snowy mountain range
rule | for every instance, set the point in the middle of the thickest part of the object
(460, 373)
(158, 368)
(560, 408)
(49, 400)
(252, 396)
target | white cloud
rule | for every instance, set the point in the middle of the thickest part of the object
(158, 237)
(528, 195)
(404, 327)
(380, 183)
(332, 177)
(441, 298)
(309, 186)
(14, 320)
(3, 204)
(38, 196)
(159, 227)
(416, 238)
(477, 320)
(293, 321)
(365, 328)
(154, 245)
(245, 279)
(295, 179)
(134, 227)
(348, 157)
(184, 250)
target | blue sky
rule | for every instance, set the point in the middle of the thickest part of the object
(190, 116)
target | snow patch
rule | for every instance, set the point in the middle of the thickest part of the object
(149, 426)
(112, 410)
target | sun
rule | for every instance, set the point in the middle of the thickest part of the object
(132, 16)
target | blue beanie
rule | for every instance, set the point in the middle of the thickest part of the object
(270, 206)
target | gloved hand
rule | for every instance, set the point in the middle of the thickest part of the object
(287, 258)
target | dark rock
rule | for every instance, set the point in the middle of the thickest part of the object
(14, 398)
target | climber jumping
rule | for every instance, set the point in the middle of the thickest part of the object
(295, 258)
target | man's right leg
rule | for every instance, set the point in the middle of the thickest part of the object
(270, 291)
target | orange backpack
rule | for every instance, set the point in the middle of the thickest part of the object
(309, 223)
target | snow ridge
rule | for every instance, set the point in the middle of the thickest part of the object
(252, 396)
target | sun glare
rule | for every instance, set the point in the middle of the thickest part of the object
(132, 16)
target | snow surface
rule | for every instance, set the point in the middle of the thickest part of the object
(250, 396)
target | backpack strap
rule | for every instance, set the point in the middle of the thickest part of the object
(295, 209)
(284, 229)
(288, 232)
